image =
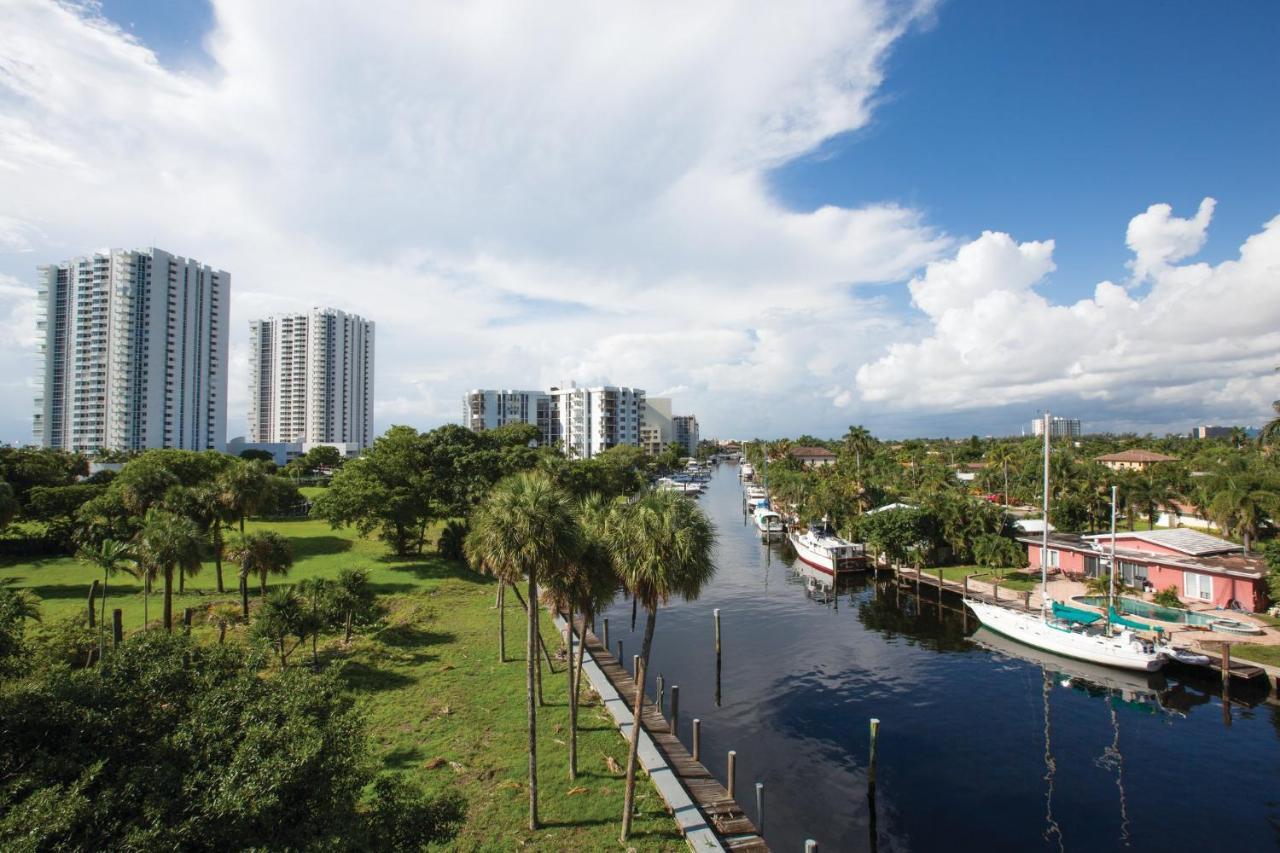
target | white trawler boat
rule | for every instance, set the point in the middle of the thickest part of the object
(769, 523)
(827, 552)
(1066, 630)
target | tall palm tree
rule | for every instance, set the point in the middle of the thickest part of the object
(243, 487)
(110, 556)
(662, 545)
(169, 541)
(858, 441)
(1236, 508)
(261, 553)
(1003, 455)
(212, 513)
(526, 527)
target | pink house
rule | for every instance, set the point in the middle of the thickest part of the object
(1200, 567)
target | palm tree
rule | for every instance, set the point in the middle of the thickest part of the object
(110, 556)
(1149, 494)
(169, 541)
(662, 545)
(212, 513)
(1003, 455)
(282, 616)
(243, 486)
(1236, 508)
(1271, 430)
(526, 526)
(352, 595)
(858, 441)
(261, 553)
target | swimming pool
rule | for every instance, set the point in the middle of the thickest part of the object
(1137, 607)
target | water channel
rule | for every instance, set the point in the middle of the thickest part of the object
(982, 746)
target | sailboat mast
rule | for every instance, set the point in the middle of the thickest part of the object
(1044, 541)
(1111, 574)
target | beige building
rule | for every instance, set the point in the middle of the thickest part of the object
(1133, 460)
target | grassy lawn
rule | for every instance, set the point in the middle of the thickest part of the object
(1011, 580)
(1256, 653)
(441, 708)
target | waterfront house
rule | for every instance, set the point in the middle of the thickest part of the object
(1134, 459)
(811, 457)
(1201, 568)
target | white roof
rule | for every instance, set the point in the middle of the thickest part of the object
(889, 506)
(1191, 542)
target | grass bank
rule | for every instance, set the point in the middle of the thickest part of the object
(442, 710)
(1009, 579)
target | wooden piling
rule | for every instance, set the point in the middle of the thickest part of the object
(760, 807)
(1026, 599)
(675, 710)
(966, 585)
(620, 657)
(117, 627)
(733, 768)
(662, 697)
(810, 846)
(995, 590)
(606, 633)
(871, 762)
(697, 739)
(635, 667)
(716, 612)
(1226, 669)
(93, 596)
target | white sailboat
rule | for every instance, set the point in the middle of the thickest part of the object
(1065, 630)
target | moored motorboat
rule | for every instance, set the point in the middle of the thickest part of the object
(769, 523)
(827, 552)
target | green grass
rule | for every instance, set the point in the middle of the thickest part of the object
(1256, 653)
(441, 708)
(1010, 580)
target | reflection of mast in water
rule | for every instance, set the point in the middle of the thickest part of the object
(1111, 758)
(1050, 769)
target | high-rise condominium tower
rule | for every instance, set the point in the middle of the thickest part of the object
(585, 421)
(134, 351)
(311, 379)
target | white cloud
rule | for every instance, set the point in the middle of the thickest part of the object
(1195, 345)
(515, 193)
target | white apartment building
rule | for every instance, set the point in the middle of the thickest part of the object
(685, 433)
(133, 347)
(311, 379)
(586, 421)
(1059, 427)
(489, 408)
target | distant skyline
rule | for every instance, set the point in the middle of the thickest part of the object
(927, 218)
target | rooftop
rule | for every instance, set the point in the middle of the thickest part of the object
(1236, 564)
(1136, 454)
(812, 453)
(1190, 542)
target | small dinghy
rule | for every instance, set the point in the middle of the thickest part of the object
(1184, 656)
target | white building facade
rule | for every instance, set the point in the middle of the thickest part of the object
(311, 379)
(685, 433)
(587, 421)
(133, 346)
(1058, 428)
(490, 408)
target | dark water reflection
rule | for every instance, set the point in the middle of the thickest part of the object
(1133, 763)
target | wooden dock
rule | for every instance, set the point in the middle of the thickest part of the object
(732, 826)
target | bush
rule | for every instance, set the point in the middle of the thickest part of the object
(1168, 597)
(401, 817)
(450, 543)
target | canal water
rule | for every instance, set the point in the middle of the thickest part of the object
(983, 746)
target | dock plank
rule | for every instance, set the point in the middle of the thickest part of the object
(732, 826)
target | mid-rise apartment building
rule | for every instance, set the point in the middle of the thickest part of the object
(1058, 428)
(489, 408)
(586, 421)
(685, 433)
(133, 346)
(311, 379)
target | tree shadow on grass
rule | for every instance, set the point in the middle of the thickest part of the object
(435, 568)
(362, 677)
(402, 757)
(595, 821)
(81, 590)
(412, 636)
(393, 588)
(312, 546)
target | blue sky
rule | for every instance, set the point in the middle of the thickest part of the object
(775, 212)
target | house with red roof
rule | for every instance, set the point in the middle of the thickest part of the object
(1135, 459)
(813, 456)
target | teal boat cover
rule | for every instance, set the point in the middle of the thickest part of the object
(1075, 614)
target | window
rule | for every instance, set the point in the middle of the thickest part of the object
(1197, 586)
(1091, 568)
(1133, 574)
(1054, 556)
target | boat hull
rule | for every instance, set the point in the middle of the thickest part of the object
(1029, 630)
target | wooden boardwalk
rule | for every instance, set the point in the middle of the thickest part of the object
(734, 829)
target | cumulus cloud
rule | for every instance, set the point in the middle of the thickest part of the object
(1194, 345)
(515, 193)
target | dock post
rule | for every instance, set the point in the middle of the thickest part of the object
(995, 590)
(635, 667)
(1226, 684)
(760, 807)
(606, 635)
(810, 846)
(93, 595)
(733, 766)
(117, 627)
(675, 710)
(966, 586)
(871, 762)
(620, 657)
(716, 612)
(662, 696)
(697, 739)
(1026, 599)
